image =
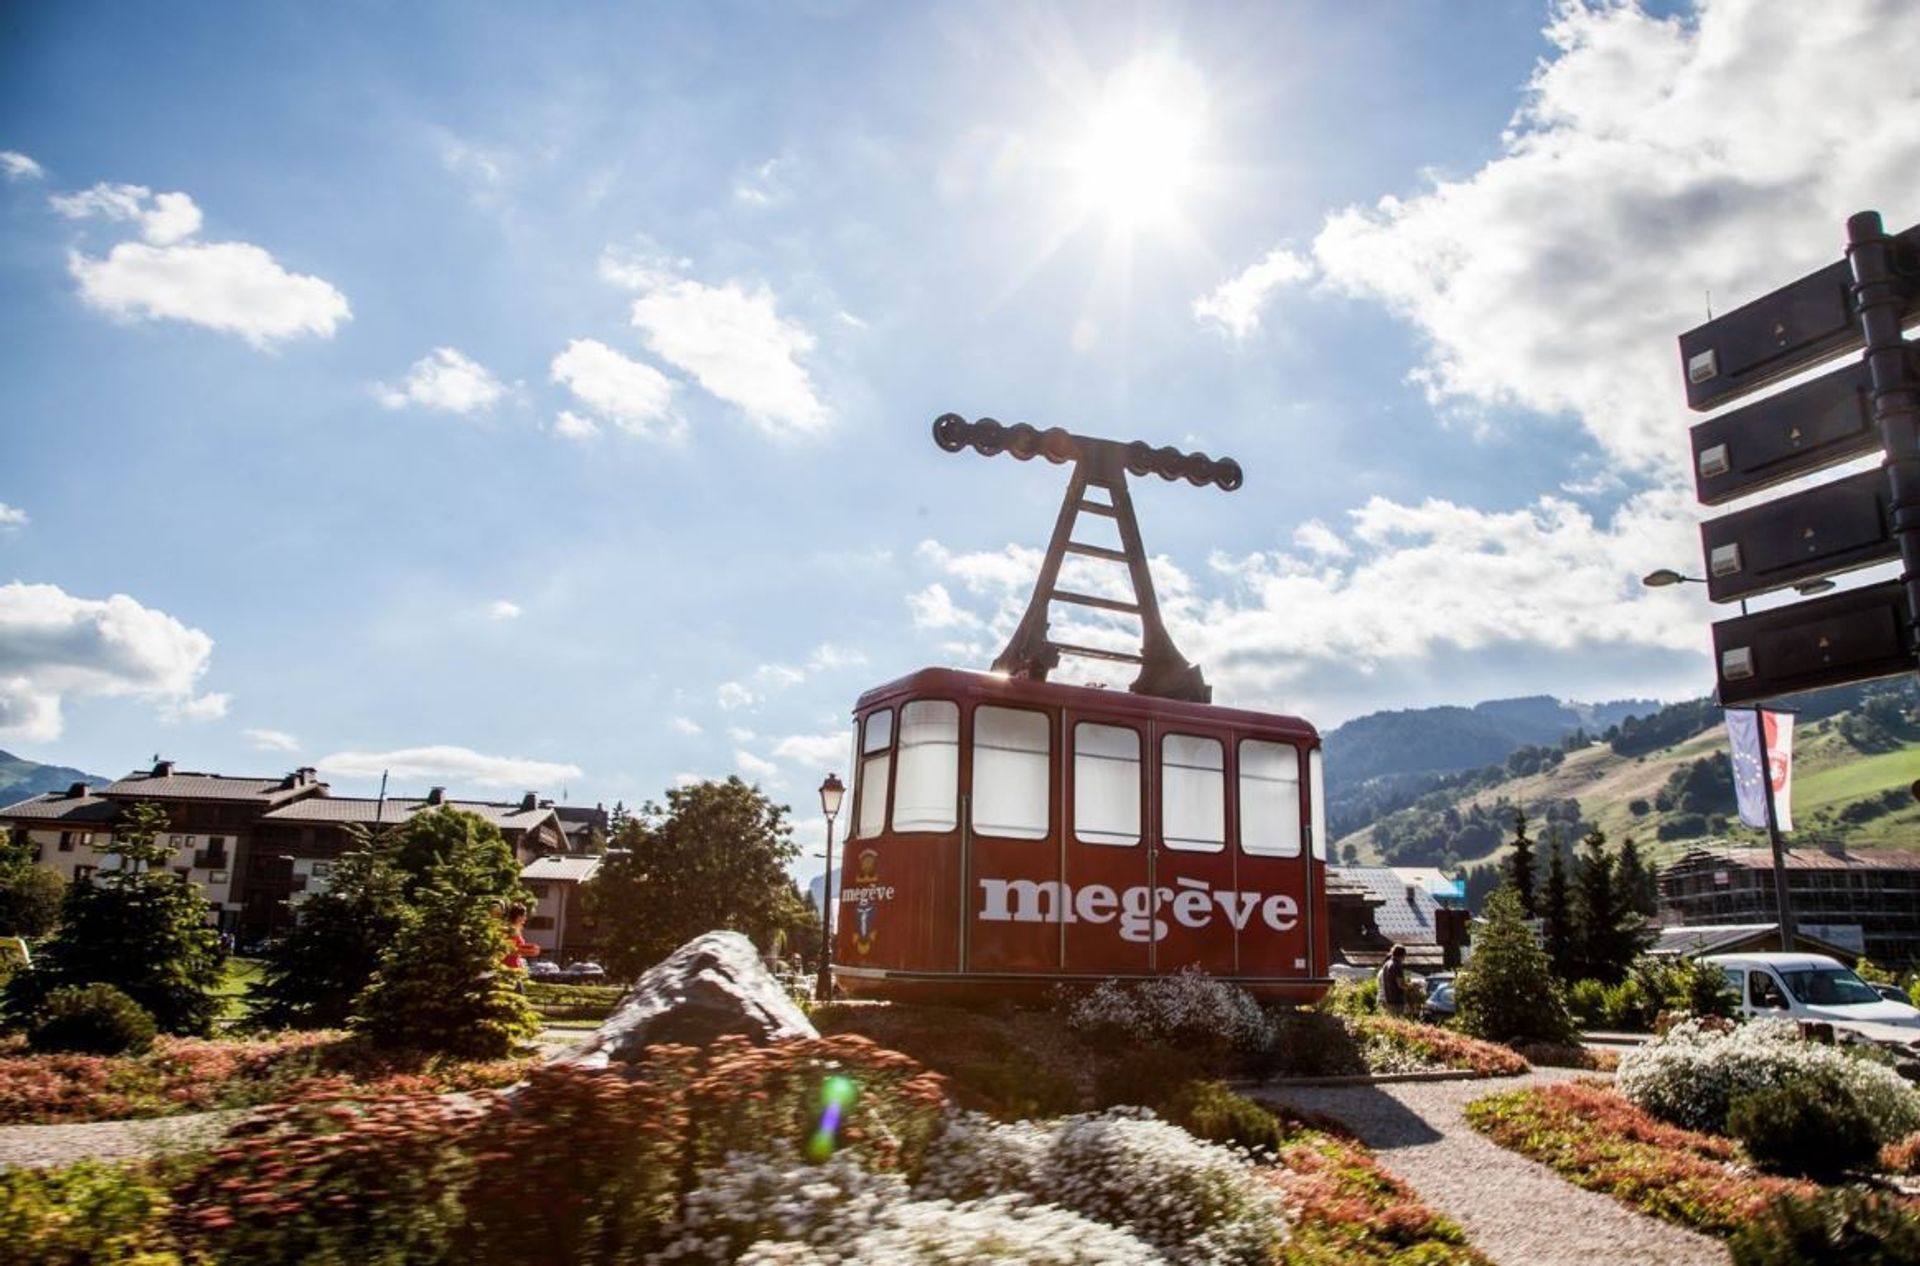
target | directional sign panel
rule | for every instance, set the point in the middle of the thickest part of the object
(1833, 641)
(1800, 430)
(1776, 335)
(1822, 531)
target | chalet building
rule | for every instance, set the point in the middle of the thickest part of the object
(1866, 900)
(558, 922)
(1370, 909)
(254, 846)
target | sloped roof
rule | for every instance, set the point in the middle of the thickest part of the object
(58, 806)
(1702, 939)
(368, 810)
(1406, 912)
(1815, 858)
(145, 785)
(561, 869)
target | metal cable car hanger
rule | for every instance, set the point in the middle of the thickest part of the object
(1104, 464)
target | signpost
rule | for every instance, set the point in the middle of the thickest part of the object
(1861, 303)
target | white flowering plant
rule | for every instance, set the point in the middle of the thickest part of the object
(1186, 1008)
(1692, 1075)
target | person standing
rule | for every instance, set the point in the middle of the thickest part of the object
(1393, 982)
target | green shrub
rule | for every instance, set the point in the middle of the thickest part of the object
(84, 1214)
(1625, 1006)
(90, 1020)
(1208, 1110)
(1145, 1076)
(1810, 1126)
(1352, 997)
(1016, 1086)
(1314, 1044)
(1507, 992)
(1587, 1001)
(1843, 1227)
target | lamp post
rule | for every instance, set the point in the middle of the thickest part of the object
(831, 794)
(1668, 576)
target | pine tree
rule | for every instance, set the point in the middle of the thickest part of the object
(30, 894)
(1639, 882)
(313, 973)
(1506, 992)
(442, 984)
(1520, 865)
(138, 927)
(1558, 912)
(1611, 934)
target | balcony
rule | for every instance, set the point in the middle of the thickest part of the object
(210, 859)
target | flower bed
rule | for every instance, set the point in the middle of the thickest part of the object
(1395, 1045)
(196, 1075)
(1354, 1213)
(1592, 1136)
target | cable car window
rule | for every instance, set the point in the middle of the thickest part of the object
(1193, 793)
(1317, 804)
(1010, 773)
(927, 787)
(1269, 799)
(1106, 784)
(876, 758)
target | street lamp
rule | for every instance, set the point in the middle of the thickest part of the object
(831, 794)
(1668, 576)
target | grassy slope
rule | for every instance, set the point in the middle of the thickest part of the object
(1829, 774)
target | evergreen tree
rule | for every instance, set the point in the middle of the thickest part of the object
(1558, 912)
(314, 972)
(1506, 992)
(138, 927)
(714, 857)
(30, 894)
(442, 984)
(1611, 934)
(1639, 882)
(1520, 864)
(426, 839)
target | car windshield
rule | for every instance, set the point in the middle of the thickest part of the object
(1828, 987)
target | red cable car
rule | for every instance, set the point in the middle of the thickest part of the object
(1008, 833)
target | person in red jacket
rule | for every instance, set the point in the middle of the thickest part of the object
(522, 949)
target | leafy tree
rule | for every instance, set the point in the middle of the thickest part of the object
(1611, 933)
(138, 927)
(1520, 864)
(313, 973)
(714, 857)
(442, 984)
(426, 839)
(1639, 883)
(1557, 913)
(799, 933)
(1506, 992)
(30, 894)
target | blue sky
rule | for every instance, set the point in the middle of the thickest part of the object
(536, 396)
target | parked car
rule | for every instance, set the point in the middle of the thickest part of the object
(1439, 1005)
(1892, 993)
(583, 973)
(541, 969)
(1809, 987)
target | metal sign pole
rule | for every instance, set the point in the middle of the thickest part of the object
(1781, 902)
(1879, 297)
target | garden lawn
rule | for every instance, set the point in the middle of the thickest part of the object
(1591, 1136)
(198, 1075)
(240, 973)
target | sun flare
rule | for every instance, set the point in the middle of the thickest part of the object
(1137, 156)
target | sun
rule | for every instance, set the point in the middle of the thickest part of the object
(1137, 156)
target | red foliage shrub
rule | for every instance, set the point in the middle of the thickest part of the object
(1443, 1046)
(1902, 1157)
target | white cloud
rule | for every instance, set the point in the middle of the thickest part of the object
(740, 734)
(12, 516)
(484, 166)
(18, 166)
(632, 395)
(1234, 306)
(1653, 161)
(55, 647)
(503, 609)
(207, 707)
(232, 287)
(730, 339)
(732, 695)
(777, 676)
(762, 186)
(755, 768)
(934, 608)
(459, 765)
(445, 380)
(822, 751)
(272, 740)
(572, 426)
(1000, 571)
(686, 725)
(163, 219)
(1320, 540)
(827, 656)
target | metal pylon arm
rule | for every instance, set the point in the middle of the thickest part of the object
(1097, 464)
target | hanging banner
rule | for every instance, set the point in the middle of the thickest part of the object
(1743, 729)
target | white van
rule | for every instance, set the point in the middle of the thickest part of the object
(1809, 987)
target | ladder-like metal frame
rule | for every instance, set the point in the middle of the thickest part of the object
(1097, 465)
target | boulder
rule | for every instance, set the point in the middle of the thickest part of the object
(711, 987)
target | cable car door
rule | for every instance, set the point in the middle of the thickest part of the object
(1197, 905)
(1271, 858)
(1108, 865)
(1013, 842)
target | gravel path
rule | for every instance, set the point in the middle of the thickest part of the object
(44, 1145)
(1516, 1211)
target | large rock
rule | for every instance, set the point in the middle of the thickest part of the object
(711, 987)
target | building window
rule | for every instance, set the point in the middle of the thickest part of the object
(84, 839)
(927, 787)
(876, 760)
(1269, 799)
(540, 923)
(1316, 806)
(1193, 793)
(1106, 784)
(183, 871)
(82, 874)
(66, 841)
(539, 891)
(1011, 747)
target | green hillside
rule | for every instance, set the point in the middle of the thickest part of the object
(1853, 768)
